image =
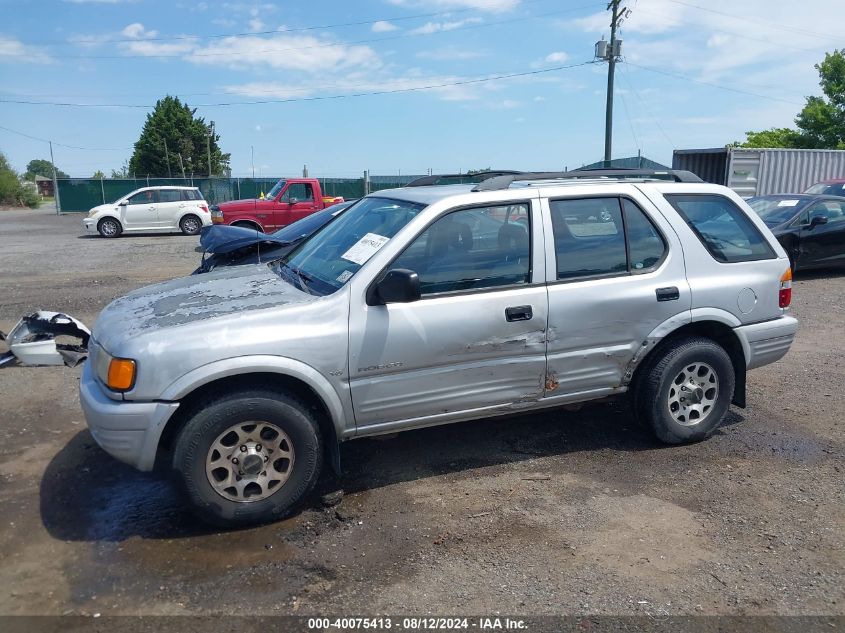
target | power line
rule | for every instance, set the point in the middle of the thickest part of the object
(747, 18)
(44, 140)
(313, 46)
(711, 84)
(647, 109)
(449, 84)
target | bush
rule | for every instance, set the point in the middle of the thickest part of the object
(12, 192)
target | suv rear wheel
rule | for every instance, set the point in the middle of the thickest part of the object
(684, 392)
(248, 457)
(190, 225)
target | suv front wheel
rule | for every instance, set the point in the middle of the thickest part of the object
(685, 391)
(249, 457)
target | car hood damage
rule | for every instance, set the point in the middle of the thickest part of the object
(33, 340)
(221, 238)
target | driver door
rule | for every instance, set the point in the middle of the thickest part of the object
(823, 244)
(475, 340)
(141, 210)
(296, 202)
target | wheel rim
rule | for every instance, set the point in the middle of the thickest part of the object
(109, 228)
(693, 394)
(191, 225)
(249, 461)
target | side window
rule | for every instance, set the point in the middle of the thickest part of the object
(589, 237)
(645, 244)
(830, 209)
(728, 234)
(144, 197)
(191, 194)
(301, 191)
(169, 195)
(472, 249)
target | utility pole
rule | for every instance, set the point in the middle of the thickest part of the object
(167, 158)
(181, 165)
(55, 181)
(610, 51)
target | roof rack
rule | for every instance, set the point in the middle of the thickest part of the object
(462, 178)
(504, 181)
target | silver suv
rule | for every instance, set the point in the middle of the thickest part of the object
(434, 304)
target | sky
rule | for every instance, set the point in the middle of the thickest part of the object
(403, 86)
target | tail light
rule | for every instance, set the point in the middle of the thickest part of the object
(204, 208)
(785, 294)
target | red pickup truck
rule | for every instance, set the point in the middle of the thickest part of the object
(291, 199)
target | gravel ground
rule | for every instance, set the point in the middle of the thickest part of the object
(551, 513)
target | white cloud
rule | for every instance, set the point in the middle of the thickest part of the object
(557, 57)
(292, 52)
(255, 24)
(494, 6)
(15, 50)
(136, 30)
(101, 1)
(434, 27)
(383, 26)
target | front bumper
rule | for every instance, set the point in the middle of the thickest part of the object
(128, 431)
(766, 342)
(90, 225)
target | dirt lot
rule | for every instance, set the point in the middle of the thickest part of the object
(555, 513)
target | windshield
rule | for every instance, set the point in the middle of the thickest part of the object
(310, 223)
(817, 188)
(774, 211)
(323, 264)
(276, 189)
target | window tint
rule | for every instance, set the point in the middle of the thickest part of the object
(169, 195)
(144, 197)
(645, 245)
(299, 190)
(589, 237)
(722, 227)
(472, 249)
(191, 194)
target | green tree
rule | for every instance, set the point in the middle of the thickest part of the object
(98, 174)
(42, 167)
(172, 129)
(123, 172)
(12, 191)
(821, 123)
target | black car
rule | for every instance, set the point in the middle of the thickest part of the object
(224, 245)
(810, 228)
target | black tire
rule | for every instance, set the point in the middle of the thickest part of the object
(655, 388)
(109, 227)
(206, 424)
(190, 225)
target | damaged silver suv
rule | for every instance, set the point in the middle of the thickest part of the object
(434, 304)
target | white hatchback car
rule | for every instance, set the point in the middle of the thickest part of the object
(151, 210)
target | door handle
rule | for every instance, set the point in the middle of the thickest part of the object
(668, 294)
(519, 313)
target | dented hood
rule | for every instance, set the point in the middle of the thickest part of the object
(221, 294)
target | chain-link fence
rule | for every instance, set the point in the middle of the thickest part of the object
(81, 194)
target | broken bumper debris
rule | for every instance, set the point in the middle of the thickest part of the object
(33, 340)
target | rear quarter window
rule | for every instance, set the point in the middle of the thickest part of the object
(725, 230)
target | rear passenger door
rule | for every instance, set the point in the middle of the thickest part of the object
(170, 205)
(616, 271)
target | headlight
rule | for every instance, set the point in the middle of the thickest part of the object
(118, 374)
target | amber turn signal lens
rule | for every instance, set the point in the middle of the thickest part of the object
(121, 374)
(785, 294)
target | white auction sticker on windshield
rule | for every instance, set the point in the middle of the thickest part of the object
(365, 248)
(787, 203)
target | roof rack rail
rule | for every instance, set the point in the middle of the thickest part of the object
(478, 176)
(504, 181)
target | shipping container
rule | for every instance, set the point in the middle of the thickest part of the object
(759, 172)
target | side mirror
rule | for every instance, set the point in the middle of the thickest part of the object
(292, 201)
(818, 219)
(399, 285)
(123, 203)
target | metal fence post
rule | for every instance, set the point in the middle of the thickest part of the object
(239, 188)
(366, 182)
(103, 189)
